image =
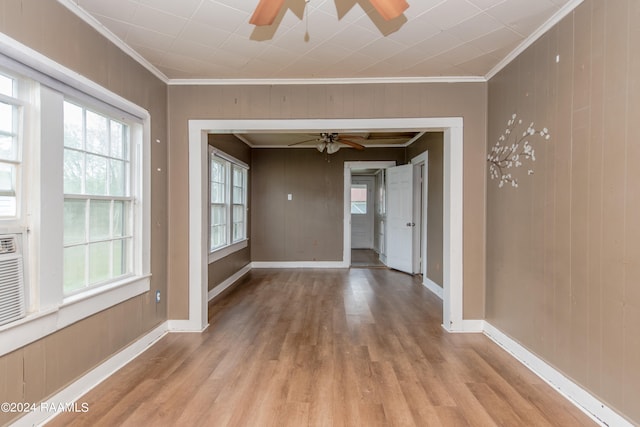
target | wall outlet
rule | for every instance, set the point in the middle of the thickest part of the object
(157, 297)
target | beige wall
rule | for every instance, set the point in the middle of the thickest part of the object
(467, 100)
(309, 227)
(41, 368)
(433, 142)
(563, 249)
(222, 269)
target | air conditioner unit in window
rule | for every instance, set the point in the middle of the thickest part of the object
(12, 301)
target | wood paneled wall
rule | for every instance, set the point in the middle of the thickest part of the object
(39, 369)
(466, 100)
(309, 227)
(563, 249)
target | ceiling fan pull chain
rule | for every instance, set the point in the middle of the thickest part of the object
(306, 17)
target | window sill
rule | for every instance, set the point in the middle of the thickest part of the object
(73, 309)
(227, 250)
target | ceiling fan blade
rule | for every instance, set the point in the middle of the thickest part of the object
(351, 144)
(390, 9)
(302, 142)
(353, 137)
(266, 12)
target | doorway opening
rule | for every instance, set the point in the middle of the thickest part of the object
(452, 128)
(367, 218)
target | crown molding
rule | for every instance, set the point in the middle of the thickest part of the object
(327, 81)
(104, 31)
(553, 20)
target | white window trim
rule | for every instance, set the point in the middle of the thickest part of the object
(50, 311)
(231, 247)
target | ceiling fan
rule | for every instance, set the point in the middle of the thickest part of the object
(330, 141)
(267, 10)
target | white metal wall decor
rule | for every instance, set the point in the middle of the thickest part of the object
(514, 150)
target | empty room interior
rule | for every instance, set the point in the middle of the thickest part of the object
(319, 212)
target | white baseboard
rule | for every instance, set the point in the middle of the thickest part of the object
(299, 264)
(185, 326)
(433, 287)
(577, 395)
(467, 326)
(74, 392)
(230, 281)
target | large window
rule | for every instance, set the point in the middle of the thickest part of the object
(10, 149)
(98, 234)
(228, 201)
(82, 230)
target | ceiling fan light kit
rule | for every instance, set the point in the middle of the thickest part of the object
(267, 10)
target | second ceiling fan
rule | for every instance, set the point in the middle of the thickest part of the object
(267, 10)
(330, 141)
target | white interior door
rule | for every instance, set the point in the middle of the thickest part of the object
(362, 215)
(400, 218)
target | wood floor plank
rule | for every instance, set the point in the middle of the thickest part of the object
(352, 347)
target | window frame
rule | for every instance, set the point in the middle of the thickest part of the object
(20, 101)
(128, 197)
(47, 84)
(231, 245)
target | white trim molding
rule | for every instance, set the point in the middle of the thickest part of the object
(432, 286)
(453, 171)
(109, 35)
(326, 81)
(228, 282)
(582, 399)
(348, 168)
(72, 394)
(299, 264)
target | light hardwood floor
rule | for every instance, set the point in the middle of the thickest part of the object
(352, 347)
(365, 258)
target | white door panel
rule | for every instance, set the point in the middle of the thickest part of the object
(400, 218)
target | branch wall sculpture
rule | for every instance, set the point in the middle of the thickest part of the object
(505, 155)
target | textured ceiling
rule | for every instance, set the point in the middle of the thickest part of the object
(339, 39)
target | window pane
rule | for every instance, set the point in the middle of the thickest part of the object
(218, 236)
(117, 140)
(97, 134)
(7, 179)
(96, 177)
(6, 85)
(121, 250)
(99, 219)
(74, 263)
(238, 223)
(8, 206)
(358, 208)
(238, 195)
(359, 199)
(120, 218)
(117, 180)
(238, 176)
(73, 172)
(74, 221)
(99, 262)
(218, 215)
(217, 171)
(217, 193)
(72, 126)
(8, 147)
